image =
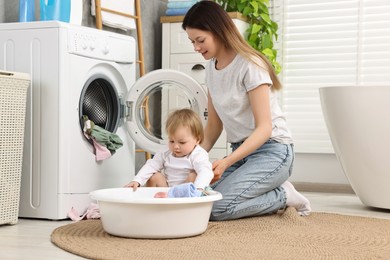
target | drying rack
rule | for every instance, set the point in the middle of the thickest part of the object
(141, 60)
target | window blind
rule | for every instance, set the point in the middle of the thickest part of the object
(327, 43)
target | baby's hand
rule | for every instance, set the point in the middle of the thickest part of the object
(133, 185)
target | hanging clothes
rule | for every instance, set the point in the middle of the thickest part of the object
(105, 143)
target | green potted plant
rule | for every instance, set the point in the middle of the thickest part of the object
(262, 30)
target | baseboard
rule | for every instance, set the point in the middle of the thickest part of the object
(323, 187)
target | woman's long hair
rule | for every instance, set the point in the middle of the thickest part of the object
(210, 16)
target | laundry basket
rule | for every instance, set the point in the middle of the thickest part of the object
(13, 92)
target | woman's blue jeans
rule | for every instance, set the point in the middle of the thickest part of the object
(251, 186)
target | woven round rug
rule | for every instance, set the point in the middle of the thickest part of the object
(279, 236)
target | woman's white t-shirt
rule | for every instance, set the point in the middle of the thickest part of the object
(229, 89)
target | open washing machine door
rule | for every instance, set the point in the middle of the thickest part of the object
(153, 97)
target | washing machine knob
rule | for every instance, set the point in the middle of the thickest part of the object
(92, 43)
(105, 49)
(84, 45)
(92, 46)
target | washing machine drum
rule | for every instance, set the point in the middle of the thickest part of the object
(153, 97)
(100, 103)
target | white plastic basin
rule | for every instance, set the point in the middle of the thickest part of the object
(137, 214)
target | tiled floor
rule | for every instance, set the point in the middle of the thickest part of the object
(30, 239)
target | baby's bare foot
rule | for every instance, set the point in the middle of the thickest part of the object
(161, 194)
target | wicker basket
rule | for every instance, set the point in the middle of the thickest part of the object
(13, 92)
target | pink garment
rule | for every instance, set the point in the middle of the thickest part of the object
(92, 212)
(101, 151)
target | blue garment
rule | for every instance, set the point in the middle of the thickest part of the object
(176, 11)
(251, 186)
(183, 191)
(181, 4)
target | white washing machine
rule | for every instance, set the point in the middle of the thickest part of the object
(79, 71)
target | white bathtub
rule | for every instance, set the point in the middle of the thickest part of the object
(358, 121)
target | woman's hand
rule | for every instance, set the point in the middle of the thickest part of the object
(219, 167)
(133, 185)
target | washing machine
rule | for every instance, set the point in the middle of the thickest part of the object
(78, 71)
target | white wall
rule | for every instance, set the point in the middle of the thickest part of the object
(318, 168)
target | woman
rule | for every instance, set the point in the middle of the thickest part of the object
(241, 99)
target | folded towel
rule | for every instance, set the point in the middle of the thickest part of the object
(181, 4)
(183, 191)
(177, 11)
(115, 20)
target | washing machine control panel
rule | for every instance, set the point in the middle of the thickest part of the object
(102, 45)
